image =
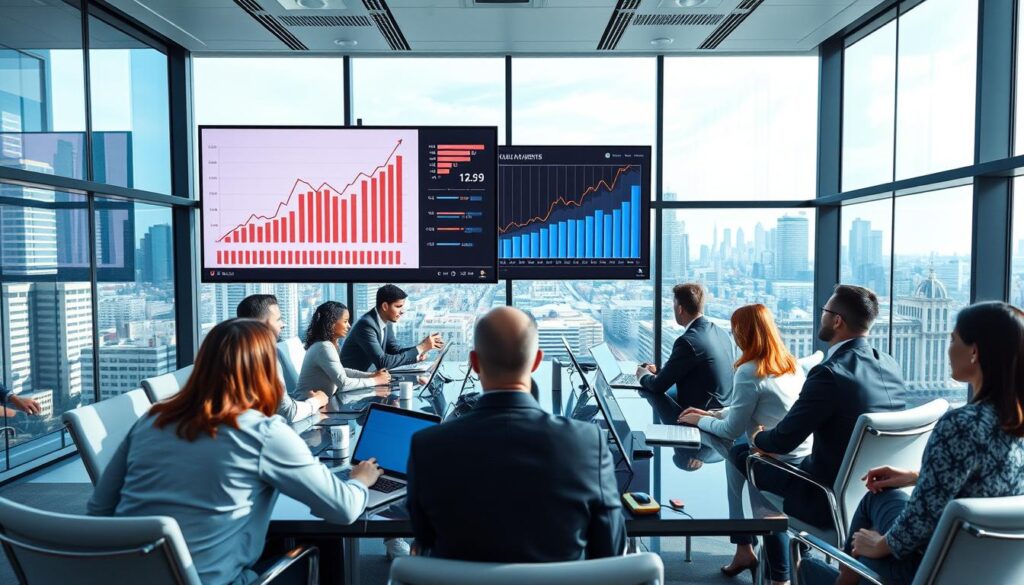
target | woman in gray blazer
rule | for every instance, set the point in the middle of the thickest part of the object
(766, 383)
(214, 457)
(322, 368)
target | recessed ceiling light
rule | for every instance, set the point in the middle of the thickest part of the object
(320, 4)
(346, 42)
(690, 3)
(662, 41)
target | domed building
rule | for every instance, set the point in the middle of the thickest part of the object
(925, 365)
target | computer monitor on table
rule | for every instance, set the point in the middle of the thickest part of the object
(618, 427)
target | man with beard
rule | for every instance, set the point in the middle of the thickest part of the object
(853, 379)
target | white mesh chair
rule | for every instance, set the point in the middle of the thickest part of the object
(977, 540)
(882, 438)
(638, 569)
(160, 388)
(45, 547)
(290, 355)
(98, 429)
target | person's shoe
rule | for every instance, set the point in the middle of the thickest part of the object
(395, 547)
(732, 570)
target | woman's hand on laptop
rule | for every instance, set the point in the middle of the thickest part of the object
(645, 368)
(367, 472)
(319, 398)
(381, 377)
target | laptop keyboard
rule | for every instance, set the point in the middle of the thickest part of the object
(385, 485)
(627, 380)
(682, 434)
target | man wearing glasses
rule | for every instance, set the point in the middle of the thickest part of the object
(853, 379)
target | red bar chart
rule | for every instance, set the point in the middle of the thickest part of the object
(448, 157)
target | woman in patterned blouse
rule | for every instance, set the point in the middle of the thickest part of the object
(976, 450)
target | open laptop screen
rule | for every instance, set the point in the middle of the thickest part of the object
(387, 435)
(606, 361)
(617, 424)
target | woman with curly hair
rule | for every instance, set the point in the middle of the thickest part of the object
(322, 368)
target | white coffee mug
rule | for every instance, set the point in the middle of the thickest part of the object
(406, 390)
(339, 437)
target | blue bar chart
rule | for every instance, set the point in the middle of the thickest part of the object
(573, 214)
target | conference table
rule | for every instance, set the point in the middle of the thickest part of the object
(697, 476)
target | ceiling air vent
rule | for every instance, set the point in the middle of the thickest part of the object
(270, 23)
(387, 25)
(677, 19)
(325, 21)
(729, 24)
(624, 12)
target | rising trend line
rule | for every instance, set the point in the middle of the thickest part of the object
(568, 202)
(284, 204)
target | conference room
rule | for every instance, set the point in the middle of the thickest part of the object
(655, 213)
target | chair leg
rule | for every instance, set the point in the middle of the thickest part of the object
(689, 549)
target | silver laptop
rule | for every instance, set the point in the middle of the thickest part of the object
(680, 435)
(387, 435)
(609, 366)
(421, 367)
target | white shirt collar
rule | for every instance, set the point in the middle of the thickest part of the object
(687, 326)
(380, 322)
(832, 350)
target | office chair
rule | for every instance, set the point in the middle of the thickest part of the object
(98, 429)
(881, 438)
(46, 547)
(162, 387)
(638, 569)
(976, 538)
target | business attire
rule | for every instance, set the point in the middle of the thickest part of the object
(700, 367)
(371, 342)
(852, 380)
(322, 370)
(221, 491)
(756, 401)
(290, 408)
(508, 483)
(967, 456)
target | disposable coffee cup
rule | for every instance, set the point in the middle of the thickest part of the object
(339, 437)
(405, 389)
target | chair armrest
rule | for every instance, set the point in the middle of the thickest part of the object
(841, 557)
(802, 475)
(309, 553)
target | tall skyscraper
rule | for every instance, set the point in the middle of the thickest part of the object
(16, 338)
(61, 329)
(865, 256)
(792, 241)
(676, 257)
(124, 366)
(157, 254)
(28, 230)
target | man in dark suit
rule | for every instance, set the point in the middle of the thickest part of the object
(371, 342)
(701, 364)
(508, 482)
(853, 379)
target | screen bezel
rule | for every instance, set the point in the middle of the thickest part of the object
(391, 410)
(310, 275)
(627, 454)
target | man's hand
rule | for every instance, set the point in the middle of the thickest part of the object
(870, 544)
(885, 477)
(319, 399)
(432, 341)
(646, 368)
(690, 418)
(367, 472)
(422, 356)
(26, 405)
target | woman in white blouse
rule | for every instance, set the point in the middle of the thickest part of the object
(321, 367)
(767, 382)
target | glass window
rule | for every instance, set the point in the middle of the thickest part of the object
(741, 257)
(130, 112)
(439, 91)
(608, 100)
(45, 312)
(869, 109)
(1017, 250)
(1018, 135)
(936, 83)
(135, 265)
(42, 89)
(758, 114)
(866, 245)
(931, 283)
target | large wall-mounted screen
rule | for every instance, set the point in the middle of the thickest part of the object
(301, 204)
(574, 212)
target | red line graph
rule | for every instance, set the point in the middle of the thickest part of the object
(316, 191)
(568, 202)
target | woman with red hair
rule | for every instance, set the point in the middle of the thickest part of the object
(766, 383)
(214, 457)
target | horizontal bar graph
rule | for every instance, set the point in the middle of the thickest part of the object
(449, 156)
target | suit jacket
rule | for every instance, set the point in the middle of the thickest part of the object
(364, 347)
(855, 380)
(508, 482)
(700, 367)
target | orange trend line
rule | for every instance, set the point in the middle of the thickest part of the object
(310, 185)
(567, 202)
